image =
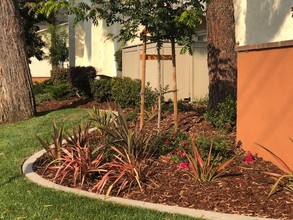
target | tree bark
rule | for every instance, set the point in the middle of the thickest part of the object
(222, 58)
(16, 96)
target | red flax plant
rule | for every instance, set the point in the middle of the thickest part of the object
(75, 166)
(124, 171)
(131, 151)
(205, 171)
(77, 162)
(54, 150)
(286, 179)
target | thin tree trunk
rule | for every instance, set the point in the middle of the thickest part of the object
(159, 87)
(222, 58)
(16, 96)
(143, 71)
(174, 83)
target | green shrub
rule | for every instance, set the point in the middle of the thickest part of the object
(201, 102)
(118, 59)
(60, 91)
(39, 87)
(221, 147)
(176, 144)
(41, 97)
(208, 168)
(81, 78)
(101, 89)
(225, 116)
(60, 75)
(151, 96)
(184, 105)
(126, 92)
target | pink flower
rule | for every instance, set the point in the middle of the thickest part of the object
(182, 154)
(249, 158)
(175, 153)
(167, 141)
(174, 137)
(176, 149)
(183, 165)
(186, 147)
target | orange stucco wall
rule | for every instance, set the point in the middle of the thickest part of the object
(265, 102)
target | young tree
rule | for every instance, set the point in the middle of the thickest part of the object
(58, 49)
(165, 20)
(222, 58)
(171, 20)
(16, 96)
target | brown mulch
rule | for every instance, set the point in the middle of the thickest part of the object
(241, 191)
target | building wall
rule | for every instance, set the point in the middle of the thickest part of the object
(264, 32)
(265, 102)
(192, 71)
(90, 45)
(262, 21)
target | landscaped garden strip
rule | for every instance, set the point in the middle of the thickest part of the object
(21, 199)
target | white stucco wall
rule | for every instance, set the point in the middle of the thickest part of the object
(91, 46)
(263, 21)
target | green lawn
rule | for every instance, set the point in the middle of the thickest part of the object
(21, 199)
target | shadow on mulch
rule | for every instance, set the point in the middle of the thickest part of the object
(50, 106)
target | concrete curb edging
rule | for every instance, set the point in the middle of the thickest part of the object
(27, 169)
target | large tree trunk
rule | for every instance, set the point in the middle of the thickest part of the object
(222, 58)
(16, 96)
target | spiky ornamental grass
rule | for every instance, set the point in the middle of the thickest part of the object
(23, 199)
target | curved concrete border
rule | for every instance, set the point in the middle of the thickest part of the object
(27, 169)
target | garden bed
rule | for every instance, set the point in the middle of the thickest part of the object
(241, 190)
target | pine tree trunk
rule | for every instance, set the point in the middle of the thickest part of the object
(16, 96)
(222, 58)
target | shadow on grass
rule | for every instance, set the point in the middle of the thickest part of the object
(10, 180)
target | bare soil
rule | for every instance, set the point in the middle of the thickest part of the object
(241, 191)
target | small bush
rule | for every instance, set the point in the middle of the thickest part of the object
(41, 97)
(178, 144)
(201, 102)
(126, 92)
(101, 89)
(60, 91)
(206, 169)
(60, 76)
(151, 96)
(175, 144)
(39, 87)
(225, 116)
(118, 59)
(221, 147)
(81, 78)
